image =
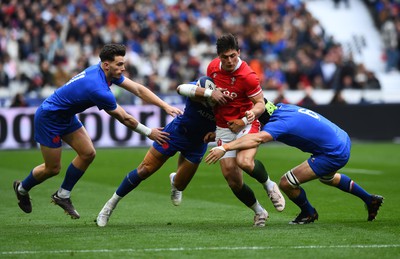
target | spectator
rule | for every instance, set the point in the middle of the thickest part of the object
(18, 101)
(293, 75)
(72, 32)
(337, 98)
(4, 80)
(390, 41)
(280, 98)
(307, 100)
(274, 75)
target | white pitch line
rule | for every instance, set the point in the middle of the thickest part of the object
(361, 171)
(198, 249)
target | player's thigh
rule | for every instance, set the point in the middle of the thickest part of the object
(80, 141)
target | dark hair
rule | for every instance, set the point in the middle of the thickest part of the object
(109, 51)
(227, 42)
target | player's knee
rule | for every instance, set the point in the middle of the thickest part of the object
(145, 169)
(53, 170)
(234, 185)
(89, 156)
(327, 179)
(245, 164)
(289, 181)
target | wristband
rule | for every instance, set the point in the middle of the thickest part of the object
(208, 93)
(220, 148)
(142, 129)
(244, 119)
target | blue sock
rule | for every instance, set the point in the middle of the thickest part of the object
(303, 203)
(129, 183)
(72, 176)
(347, 185)
(29, 182)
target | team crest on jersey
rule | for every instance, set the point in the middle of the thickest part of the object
(233, 80)
(165, 145)
(56, 139)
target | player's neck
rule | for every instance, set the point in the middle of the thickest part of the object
(108, 77)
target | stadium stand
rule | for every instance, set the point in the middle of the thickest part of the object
(293, 48)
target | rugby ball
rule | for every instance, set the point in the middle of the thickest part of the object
(207, 83)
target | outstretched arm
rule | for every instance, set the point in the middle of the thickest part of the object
(193, 91)
(148, 96)
(129, 121)
(246, 142)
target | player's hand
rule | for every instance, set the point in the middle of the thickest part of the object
(215, 154)
(158, 135)
(173, 111)
(236, 125)
(209, 137)
(250, 116)
(219, 97)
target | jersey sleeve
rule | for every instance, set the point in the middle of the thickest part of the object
(118, 81)
(253, 83)
(276, 128)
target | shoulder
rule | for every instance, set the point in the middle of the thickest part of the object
(213, 66)
(248, 74)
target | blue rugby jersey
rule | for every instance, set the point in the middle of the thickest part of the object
(196, 121)
(306, 130)
(88, 88)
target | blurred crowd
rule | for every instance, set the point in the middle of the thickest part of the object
(44, 43)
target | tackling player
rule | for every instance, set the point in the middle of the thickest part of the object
(188, 135)
(238, 118)
(310, 132)
(56, 121)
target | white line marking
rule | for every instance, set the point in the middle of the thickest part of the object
(361, 171)
(198, 249)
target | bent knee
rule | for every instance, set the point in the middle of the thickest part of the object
(245, 164)
(328, 180)
(289, 181)
(53, 170)
(234, 185)
(89, 156)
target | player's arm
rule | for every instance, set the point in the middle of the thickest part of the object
(258, 109)
(149, 97)
(129, 121)
(246, 142)
(193, 91)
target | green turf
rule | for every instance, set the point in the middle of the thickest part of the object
(211, 222)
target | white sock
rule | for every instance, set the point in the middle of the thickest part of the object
(114, 200)
(63, 194)
(269, 185)
(21, 190)
(257, 208)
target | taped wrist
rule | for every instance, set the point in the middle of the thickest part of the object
(142, 129)
(208, 93)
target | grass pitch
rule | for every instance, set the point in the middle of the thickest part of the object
(210, 222)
